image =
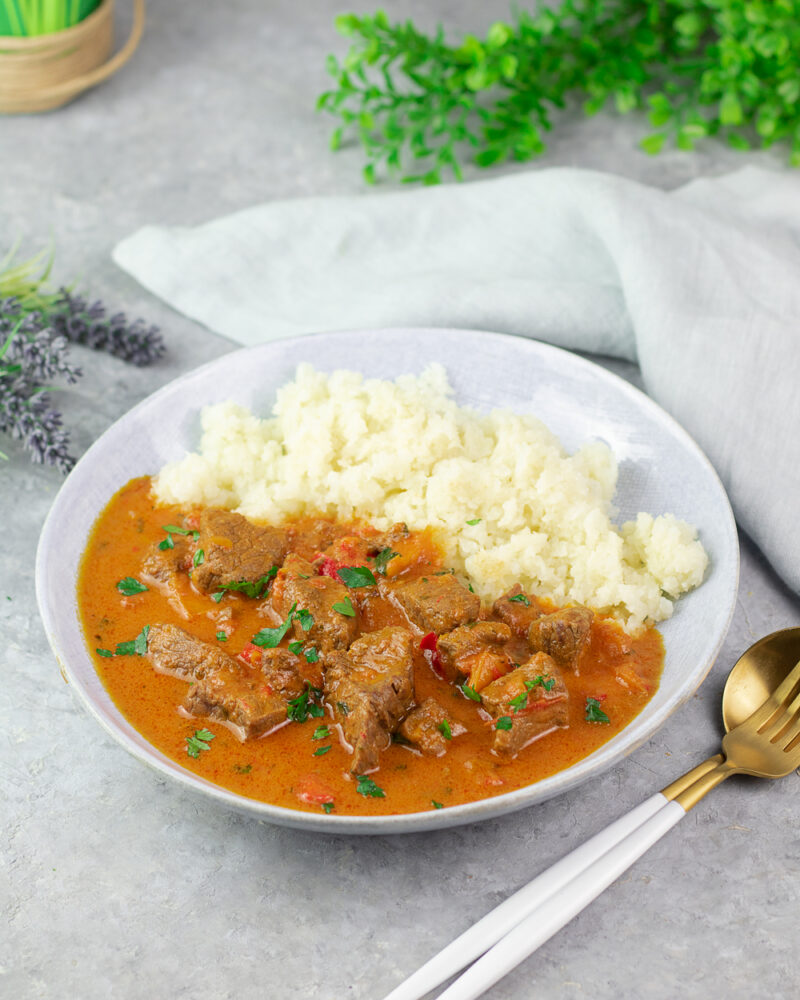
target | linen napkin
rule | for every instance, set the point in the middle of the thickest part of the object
(701, 286)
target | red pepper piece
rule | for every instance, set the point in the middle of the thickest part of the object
(430, 643)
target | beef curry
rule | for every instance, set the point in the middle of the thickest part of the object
(324, 666)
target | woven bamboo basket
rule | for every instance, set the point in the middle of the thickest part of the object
(42, 72)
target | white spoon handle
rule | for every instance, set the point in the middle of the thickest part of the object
(560, 908)
(496, 924)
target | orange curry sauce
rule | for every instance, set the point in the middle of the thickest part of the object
(619, 670)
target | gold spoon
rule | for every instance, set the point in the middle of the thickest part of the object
(761, 714)
(754, 683)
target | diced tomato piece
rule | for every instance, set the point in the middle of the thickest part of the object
(430, 645)
(429, 641)
(328, 567)
(312, 790)
(251, 653)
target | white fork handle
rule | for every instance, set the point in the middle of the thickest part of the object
(495, 925)
(540, 925)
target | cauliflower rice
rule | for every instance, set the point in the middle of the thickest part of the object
(349, 447)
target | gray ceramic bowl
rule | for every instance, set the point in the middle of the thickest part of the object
(661, 469)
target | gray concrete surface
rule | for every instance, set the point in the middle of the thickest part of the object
(115, 884)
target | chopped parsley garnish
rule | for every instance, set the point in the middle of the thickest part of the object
(469, 588)
(129, 586)
(345, 607)
(368, 788)
(321, 733)
(296, 648)
(311, 654)
(474, 521)
(198, 742)
(272, 637)
(356, 576)
(445, 730)
(305, 618)
(173, 529)
(436, 805)
(328, 806)
(520, 702)
(243, 768)
(104, 652)
(250, 588)
(343, 707)
(199, 558)
(548, 683)
(593, 711)
(305, 705)
(382, 558)
(134, 647)
(521, 599)
(504, 722)
(320, 751)
(470, 692)
(222, 636)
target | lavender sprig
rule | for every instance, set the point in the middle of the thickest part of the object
(34, 348)
(84, 323)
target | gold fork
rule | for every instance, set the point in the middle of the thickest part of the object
(766, 744)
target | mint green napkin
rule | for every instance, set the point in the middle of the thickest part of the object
(700, 285)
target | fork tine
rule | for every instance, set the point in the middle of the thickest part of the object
(775, 731)
(774, 703)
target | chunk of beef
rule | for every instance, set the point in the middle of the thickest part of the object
(518, 614)
(476, 650)
(235, 550)
(173, 651)
(350, 550)
(296, 584)
(163, 564)
(369, 690)
(526, 703)
(429, 728)
(562, 635)
(249, 699)
(436, 603)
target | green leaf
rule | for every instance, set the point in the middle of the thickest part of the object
(356, 576)
(134, 647)
(652, 144)
(270, 638)
(474, 521)
(382, 558)
(488, 157)
(345, 607)
(689, 24)
(498, 35)
(321, 733)
(305, 618)
(320, 751)
(328, 806)
(504, 722)
(296, 648)
(199, 558)
(367, 787)
(730, 109)
(436, 805)
(311, 655)
(521, 599)
(166, 544)
(222, 636)
(445, 729)
(104, 652)
(469, 692)
(250, 588)
(199, 741)
(129, 586)
(594, 712)
(369, 173)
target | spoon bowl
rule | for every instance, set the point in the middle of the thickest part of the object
(757, 673)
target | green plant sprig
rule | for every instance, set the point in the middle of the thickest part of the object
(419, 106)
